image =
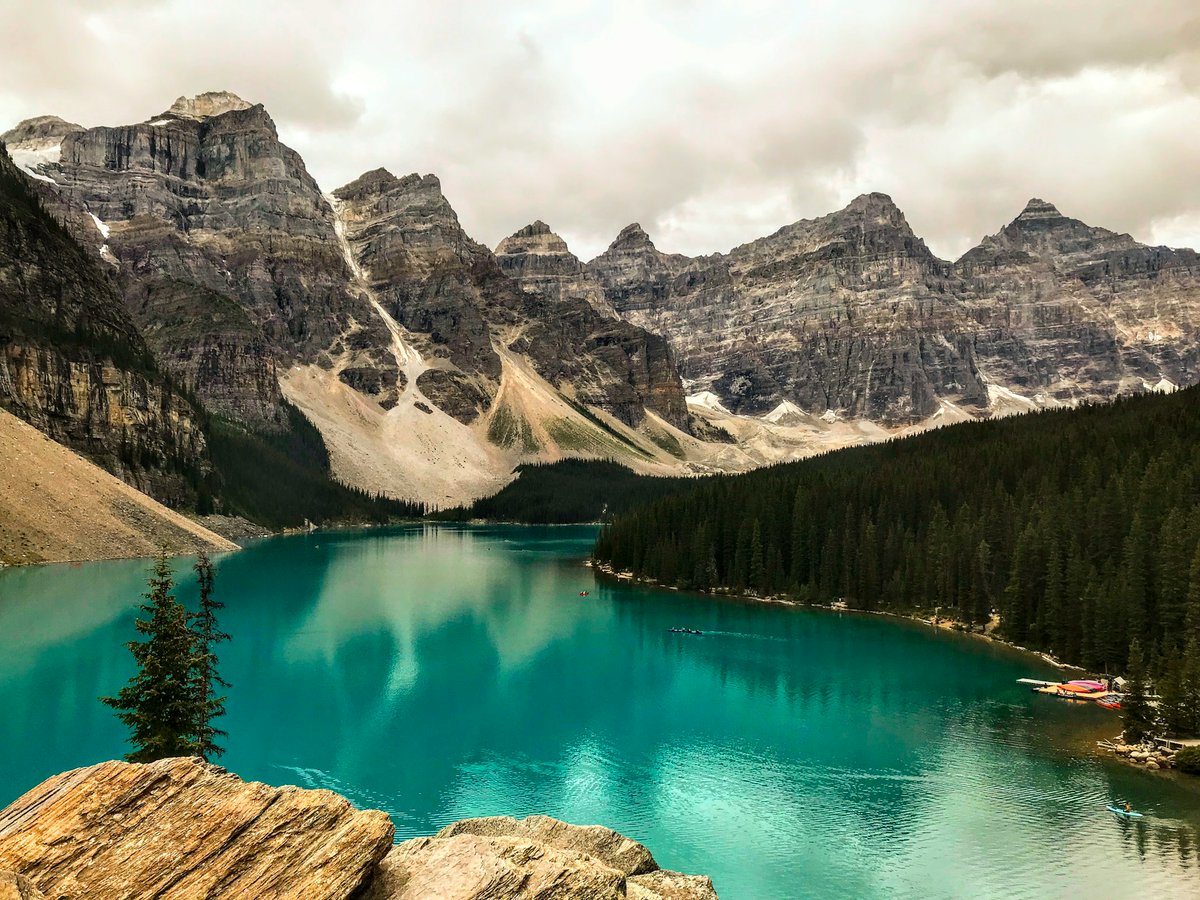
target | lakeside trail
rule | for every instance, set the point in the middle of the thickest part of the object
(56, 506)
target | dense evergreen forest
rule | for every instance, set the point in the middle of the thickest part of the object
(571, 490)
(1080, 528)
(280, 479)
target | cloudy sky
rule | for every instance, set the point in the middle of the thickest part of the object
(709, 123)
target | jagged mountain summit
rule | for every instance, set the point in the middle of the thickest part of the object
(430, 372)
(850, 314)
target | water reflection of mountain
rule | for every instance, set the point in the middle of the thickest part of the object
(442, 672)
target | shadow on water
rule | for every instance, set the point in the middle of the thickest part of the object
(444, 672)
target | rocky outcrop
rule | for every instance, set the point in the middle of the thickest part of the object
(541, 262)
(73, 362)
(206, 105)
(181, 828)
(1074, 312)
(18, 887)
(529, 858)
(456, 301)
(851, 313)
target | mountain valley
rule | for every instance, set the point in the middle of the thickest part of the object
(433, 367)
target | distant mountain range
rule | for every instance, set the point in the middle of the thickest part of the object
(432, 366)
(852, 314)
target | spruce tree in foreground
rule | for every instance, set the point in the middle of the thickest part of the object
(159, 704)
(206, 634)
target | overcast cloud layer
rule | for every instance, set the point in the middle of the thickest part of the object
(709, 123)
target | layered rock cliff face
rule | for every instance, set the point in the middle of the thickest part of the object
(204, 204)
(1074, 312)
(541, 262)
(180, 828)
(852, 314)
(74, 364)
(458, 300)
(366, 303)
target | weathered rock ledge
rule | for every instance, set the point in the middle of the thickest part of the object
(181, 828)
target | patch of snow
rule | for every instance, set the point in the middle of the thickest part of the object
(1164, 386)
(39, 177)
(830, 416)
(998, 394)
(706, 400)
(1153, 336)
(32, 157)
(785, 411)
(941, 412)
(100, 226)
(157, 122)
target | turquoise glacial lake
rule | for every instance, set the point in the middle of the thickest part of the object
(445, 672)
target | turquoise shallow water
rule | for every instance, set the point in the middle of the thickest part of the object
(439, 673)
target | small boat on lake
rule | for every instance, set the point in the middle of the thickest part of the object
(1125, 813)
(684, 631)
(1080, 689)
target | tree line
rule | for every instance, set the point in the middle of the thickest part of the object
(566, 491)
(1079, 529)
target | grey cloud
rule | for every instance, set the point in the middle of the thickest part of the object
(708, 123)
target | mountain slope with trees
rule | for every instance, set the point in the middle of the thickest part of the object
(1080, 528)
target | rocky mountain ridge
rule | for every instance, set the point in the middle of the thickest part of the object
(433, 366)
(181, 828)
(851, 314)
(247, 281)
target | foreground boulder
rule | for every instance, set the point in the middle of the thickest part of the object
(536, 858)
(181, 828)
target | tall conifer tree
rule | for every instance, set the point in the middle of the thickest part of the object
(205, 679)
(159, 704)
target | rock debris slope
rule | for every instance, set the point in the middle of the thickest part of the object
(57, 506)
(181, 828)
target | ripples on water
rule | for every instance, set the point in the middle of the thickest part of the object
(443, 673)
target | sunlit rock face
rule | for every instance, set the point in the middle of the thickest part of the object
(852, 313)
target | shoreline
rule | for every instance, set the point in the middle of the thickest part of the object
(949, 625)
(1149, 758)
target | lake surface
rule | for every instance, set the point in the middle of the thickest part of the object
(446, 672)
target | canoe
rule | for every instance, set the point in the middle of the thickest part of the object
(1121, 812)
(1090, 685)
